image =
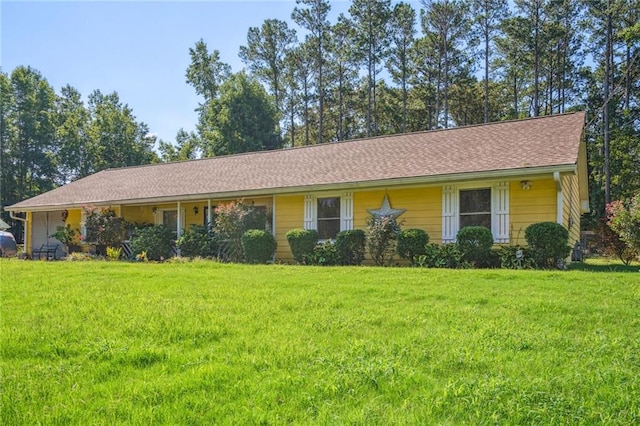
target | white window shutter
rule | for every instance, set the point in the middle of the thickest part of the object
(500, 216)
(310, 212)
(449, 214)
(346, 211)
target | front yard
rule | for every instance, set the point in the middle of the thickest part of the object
(209, 343)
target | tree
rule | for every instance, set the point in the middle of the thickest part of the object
(488, 15)
(313, 18)
(342, 71)
(444, 22)
(31, 158)
(73, 154)
(402, 32)
(242, 119)
(187, 147)
(265, 54)
(371, 22)
(116, 138)
(206, 71)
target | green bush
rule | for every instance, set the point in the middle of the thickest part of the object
(302, 242)
(258, 245)
(103, 228)
(350, 247)
(411, 244)
(441, 256)
(232, 221)
(475, 243)
(198, 241)
(156, 241)
(548, 244)
(382, 238)
(515, 257)
(324, 254)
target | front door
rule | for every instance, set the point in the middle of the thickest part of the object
(170, 220)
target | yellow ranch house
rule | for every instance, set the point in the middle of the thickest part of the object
(504, 175)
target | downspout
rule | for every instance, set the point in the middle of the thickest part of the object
(24, 229)
(559, 197)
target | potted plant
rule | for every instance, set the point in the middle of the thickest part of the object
(68, 237)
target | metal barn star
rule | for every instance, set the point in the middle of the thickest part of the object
(386, 210)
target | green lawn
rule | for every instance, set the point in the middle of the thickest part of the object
(206, 343)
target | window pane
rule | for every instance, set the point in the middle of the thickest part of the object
(328, 228)
(475, 220)
(170, 219)
(475, 201)
(329, 207)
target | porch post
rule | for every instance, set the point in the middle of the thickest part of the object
(209, 212)
(179, 230)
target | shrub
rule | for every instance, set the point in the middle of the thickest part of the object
(350, 247)
(411, 244)
(232, 221)
(258, 245)
(156, 241)
(475, 243)
(515, 257)
(382, 238)
(114, 253)
(103, 228)
(324, 254)
(302, 242)
(441, 256)
(198, 241)
(624, 219)
(547, 243)
(610, 244)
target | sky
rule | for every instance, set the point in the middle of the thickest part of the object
(139, 49)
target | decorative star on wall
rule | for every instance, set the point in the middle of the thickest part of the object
(386, 210)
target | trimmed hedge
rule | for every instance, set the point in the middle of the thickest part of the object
(548, 244)
(350, 247)
(302, 242)
(258, 246)
(475, 243)
(411, 244)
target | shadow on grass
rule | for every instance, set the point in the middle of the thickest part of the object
(601, 265)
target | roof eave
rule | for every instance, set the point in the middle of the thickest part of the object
(417, 180)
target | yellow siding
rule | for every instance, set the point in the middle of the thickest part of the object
(571, 211)
(538, 204)
(423, 208)
(289, 215)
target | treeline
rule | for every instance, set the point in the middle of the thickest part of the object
(48, 139)
(384, 67)
(388, 68)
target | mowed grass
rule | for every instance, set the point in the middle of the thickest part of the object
(206, 343)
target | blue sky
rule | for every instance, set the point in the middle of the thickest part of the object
(138, 48)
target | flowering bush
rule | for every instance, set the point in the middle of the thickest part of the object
(624, 219)
(103, 227)
(382, 238)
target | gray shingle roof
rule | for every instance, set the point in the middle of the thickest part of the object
(495, 148)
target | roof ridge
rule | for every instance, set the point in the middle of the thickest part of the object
(346, 141)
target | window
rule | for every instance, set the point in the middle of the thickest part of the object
(205, 216)
(170, 220)
(328, 214)
(475, 207)
(328, 217)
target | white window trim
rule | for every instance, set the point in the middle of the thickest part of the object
(500, 220)
(311, 210)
